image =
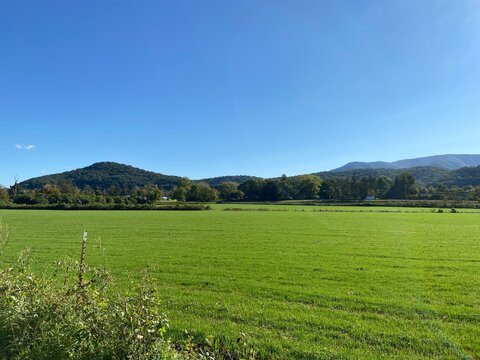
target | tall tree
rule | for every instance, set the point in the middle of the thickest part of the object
(286, 188)
(309, 186)
(201, 192)
(384, 184)
(252, 189)
(328, 190)
(271, 190)
(179, 193)
(229, 191)
(149, 194)
(403, 187)
(4, 198)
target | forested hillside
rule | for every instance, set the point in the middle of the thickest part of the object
(215, 181)
(467, 176)
(109, 184)
(425, 175)
(104, 175)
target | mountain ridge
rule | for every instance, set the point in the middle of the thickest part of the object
(447, 161)
(104, 175)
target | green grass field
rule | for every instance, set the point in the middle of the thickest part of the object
(301, 284)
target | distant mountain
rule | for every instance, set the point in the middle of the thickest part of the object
(450, 162)
(103, 175)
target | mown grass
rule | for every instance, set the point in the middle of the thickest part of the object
(299, 284)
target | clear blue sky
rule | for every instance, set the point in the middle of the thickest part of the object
(207, 88)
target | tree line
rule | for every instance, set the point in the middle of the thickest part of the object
(305, 187)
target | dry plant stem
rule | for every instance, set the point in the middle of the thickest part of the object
(81, 268)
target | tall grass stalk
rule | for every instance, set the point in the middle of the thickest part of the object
(4, 232)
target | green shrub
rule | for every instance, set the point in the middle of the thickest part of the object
(52, 316)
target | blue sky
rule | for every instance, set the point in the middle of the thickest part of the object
(207, 88)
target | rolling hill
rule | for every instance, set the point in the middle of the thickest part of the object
(103, 175)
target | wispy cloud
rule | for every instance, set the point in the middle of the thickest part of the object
(25, 147)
